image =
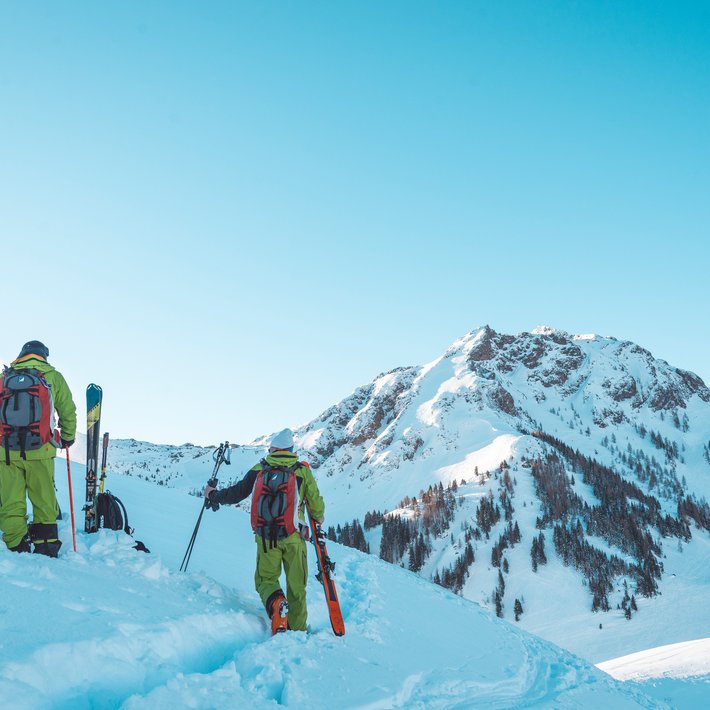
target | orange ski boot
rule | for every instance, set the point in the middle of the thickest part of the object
(279, 615)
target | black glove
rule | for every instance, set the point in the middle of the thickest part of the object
(211, 501)
(66, 443)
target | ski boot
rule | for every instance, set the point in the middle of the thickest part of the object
(25, 545)
(45, 539)
(279, 614)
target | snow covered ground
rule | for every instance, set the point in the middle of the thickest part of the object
(677, 660)
(461, 415)
(678, 674)
(109, 627)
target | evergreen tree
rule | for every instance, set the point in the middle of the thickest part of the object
(499, 604)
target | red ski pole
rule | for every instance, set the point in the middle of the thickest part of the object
(71, 500)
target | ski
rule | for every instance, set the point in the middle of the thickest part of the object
(93, 422)
(104, 455)
(326, 567)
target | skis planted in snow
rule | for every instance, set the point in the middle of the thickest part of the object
(326, 567)
(104, 455)
(93, 422)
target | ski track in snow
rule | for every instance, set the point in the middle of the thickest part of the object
(285, 670)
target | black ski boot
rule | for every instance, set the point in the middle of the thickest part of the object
(48, 547)
(45, 539)
(25, 545)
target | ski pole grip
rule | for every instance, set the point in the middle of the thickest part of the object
(212, 505)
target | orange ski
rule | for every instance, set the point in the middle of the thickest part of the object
(326, 567)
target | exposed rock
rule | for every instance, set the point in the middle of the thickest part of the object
(502, 399)
(532, 357)
(607, 416)
(694, 384)
(411, 445)
(483, 349)
(382, 408)
(623, 389)
(666, 397)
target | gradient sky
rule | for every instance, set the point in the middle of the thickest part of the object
(231, 214)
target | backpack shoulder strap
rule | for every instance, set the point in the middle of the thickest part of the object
(299, 479)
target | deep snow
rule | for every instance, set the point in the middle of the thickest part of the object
(109, 627)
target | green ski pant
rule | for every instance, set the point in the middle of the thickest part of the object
(17, 481)
(291, 553)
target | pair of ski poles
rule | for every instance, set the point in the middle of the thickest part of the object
(71, 497)
(220, 456)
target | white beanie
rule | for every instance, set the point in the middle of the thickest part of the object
(282, 440)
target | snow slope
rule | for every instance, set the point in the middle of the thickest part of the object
(678, 660)
(556, 603)
(677, 674)
(109, 627)
(458, 418)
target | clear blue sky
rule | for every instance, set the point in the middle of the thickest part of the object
(232, 214)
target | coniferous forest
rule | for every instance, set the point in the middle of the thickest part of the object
(613, 511)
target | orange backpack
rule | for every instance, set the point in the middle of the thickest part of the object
(273, 504)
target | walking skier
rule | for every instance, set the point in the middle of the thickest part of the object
(280, 486)
(30, 391)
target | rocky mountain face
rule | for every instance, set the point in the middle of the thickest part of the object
(489, 384)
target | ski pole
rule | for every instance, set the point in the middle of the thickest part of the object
(104, 454)
(219, 458)
(222, 455)
(71, 499)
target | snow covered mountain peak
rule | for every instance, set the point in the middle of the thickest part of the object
(414, 425)
(547, 330)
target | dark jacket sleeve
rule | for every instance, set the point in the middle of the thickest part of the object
(239, 491)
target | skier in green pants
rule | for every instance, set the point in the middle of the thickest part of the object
(280, 485)
(30, 391)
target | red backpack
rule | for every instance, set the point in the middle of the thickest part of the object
(26, 411)
(274, 514)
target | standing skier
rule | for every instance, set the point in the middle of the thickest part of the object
(280, 486)
(30, 390)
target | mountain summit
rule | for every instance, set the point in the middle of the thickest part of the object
(488, 387)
